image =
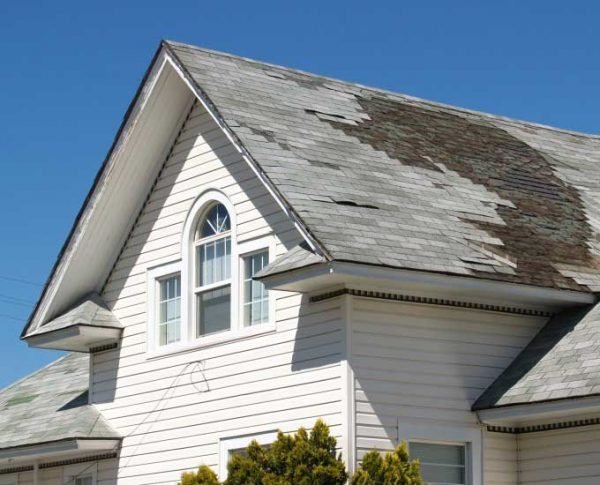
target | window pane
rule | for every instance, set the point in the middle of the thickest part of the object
(213, 310)
(213, 262)
(256, 298)
(169, 315)
(440, 464)
(216, 221)
(83, 481)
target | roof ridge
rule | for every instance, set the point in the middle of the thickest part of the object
(404, 97)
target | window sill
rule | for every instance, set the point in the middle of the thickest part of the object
(211, 341)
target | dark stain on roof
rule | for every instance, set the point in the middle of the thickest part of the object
(547, 224)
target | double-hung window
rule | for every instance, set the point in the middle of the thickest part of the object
(211, 293)
(212, 289)
(255, 299)
(169, 310)
(441, 464)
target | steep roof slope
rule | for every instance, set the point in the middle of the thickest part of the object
(51, 405)
(385, 179)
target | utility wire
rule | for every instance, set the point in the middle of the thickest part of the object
(12, 317)
(15, 298)
(19, 280)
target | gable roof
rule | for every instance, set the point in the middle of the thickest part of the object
(433, 188)
(561, 362)
(385, 179)
(51, 405)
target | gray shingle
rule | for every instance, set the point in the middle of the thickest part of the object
(51, 405)
(91, 311)
(560, 362)
(508, 200)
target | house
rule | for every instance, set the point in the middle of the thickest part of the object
(263, 247)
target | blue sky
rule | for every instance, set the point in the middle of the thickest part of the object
(70, 69)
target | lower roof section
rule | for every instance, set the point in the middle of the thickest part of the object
(558, 367)
(46, 414)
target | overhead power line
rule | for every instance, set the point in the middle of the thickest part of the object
(12, 317)
(20, 280)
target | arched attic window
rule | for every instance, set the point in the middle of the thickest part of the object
(212, 270)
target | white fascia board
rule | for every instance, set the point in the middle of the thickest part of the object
(319, 277)
(523, 414)
(141, 145)
(67, 447)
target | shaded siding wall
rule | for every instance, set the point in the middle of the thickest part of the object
(173, 413)
(424, 366)
(568, 456)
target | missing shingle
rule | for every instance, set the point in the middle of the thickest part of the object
(352, 203)
(317, 163)
(323, 116)
(274, 74)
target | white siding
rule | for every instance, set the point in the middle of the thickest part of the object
(425, 365)
(171, 412)
(500, 458)
(569, 456)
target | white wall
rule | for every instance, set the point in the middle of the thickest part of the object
(420, 368)
(173, 414)
(570, 456)
(500, 458)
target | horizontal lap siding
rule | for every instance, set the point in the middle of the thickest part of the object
(568, 456)
(173, 410)
(427, 365)
(500, 458)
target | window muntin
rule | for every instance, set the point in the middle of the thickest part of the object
(255, 295)
(169, 310)
(441, 464)
(212, 288)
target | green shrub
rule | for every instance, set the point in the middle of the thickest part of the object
(302, 459)
(204, 476)
(395, 468)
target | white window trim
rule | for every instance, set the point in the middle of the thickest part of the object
(185, 266)
(227, 443)
(80, 470)
(447, 434)
(153, 276)
(188, 261)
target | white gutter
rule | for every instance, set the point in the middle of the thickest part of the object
(525, 413)
(319, 277)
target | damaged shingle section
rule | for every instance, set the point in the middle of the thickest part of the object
(456, 192)
(562, 361)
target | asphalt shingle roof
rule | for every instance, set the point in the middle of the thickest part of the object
(90, 311)
(562, 361)
(386, 179)
(51, 405)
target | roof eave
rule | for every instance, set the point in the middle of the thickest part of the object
(318, 277)
(78, 337)
(63, 447)
(550, 410)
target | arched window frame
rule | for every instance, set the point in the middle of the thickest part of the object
(188, 310)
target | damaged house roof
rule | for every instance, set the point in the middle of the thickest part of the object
(431, 187)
